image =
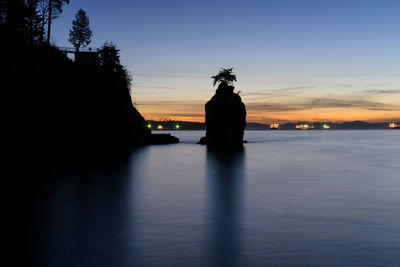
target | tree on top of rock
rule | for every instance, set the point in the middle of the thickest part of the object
(80, 35)
(224, 76)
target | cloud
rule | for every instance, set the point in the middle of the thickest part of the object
(381, 91)
(183, 114)
(288, 91)
(170, 103)
(288, 102)
(295, 88)
(341, 103)
(158, 87)
(317, 103)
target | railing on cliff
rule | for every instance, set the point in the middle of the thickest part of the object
(73, 50)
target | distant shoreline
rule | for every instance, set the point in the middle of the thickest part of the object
(289, 130)
(291, 126)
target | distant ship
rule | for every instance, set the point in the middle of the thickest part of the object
(304, 126)
(274, 126)
(394, 125)
(326, 126)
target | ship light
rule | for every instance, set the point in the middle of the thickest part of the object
(304, 126)
(274, 125)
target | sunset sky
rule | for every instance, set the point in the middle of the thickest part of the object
(331, 60)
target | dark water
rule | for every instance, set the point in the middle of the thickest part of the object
(290, 198)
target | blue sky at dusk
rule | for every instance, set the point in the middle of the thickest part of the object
(294, 59)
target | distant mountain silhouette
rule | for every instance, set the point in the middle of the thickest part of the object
(349, 125)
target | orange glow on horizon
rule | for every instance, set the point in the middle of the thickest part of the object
(281, 107)
(321, 115)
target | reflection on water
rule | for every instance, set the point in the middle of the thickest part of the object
(225, 174)
(287, 199)
(82, 217)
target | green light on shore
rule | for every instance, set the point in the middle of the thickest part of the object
(177, 126)
(149, 126)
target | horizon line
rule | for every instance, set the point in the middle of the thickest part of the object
(285, 122)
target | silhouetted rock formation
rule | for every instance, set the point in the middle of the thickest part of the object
(225, 118)
(52, 104)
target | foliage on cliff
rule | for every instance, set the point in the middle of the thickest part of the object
(80, 35)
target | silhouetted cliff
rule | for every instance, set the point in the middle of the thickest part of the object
(225, 118)
(52, 103)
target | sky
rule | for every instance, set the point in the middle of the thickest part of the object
(295, 60)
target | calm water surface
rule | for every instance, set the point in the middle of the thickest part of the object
(290, 198)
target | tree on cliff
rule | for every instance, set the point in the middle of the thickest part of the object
(2, 12)
(224, 76)
(109, 58)
(28, 18)
(81, 34)
(12, 15)
(18, 17)
(50, 10)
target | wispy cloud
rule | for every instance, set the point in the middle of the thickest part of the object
(157, 87)
(282, 92)
(284, 103)
(295, 88)
(382, 91)
(183, 114)
(174, 103)
(316, 103)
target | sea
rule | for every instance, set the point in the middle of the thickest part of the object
(288, 198)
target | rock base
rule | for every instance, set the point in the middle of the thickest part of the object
(158, 139)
